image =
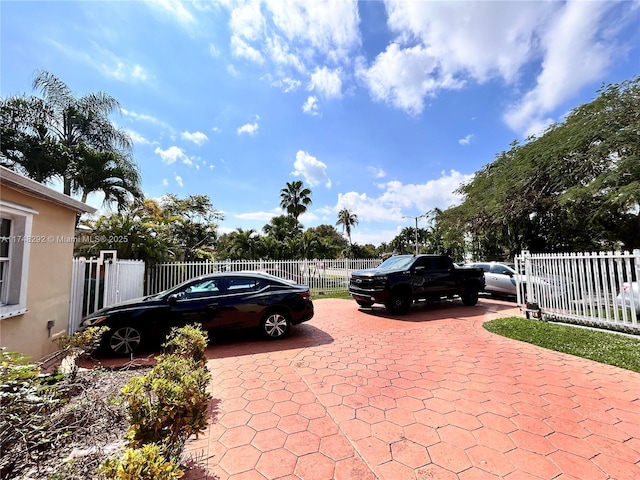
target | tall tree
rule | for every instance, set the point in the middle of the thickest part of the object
(295, 198)
(347, 220)
(62, 135)
(574, 188)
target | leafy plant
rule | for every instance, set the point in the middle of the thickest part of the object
(87, 340)
(189, 341)
(145, 463)
(169, 403)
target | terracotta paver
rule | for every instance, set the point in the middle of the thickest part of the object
(359, 394)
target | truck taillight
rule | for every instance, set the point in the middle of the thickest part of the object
(306, 295)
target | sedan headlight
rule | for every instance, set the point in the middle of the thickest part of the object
(92, 321)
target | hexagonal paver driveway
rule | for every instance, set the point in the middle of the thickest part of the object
(358, 394)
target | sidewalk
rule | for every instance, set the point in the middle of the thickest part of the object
(356, 394)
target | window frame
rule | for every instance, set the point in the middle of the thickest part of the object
(14, 291)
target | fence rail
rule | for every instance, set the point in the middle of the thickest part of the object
(322, 276)
(594, 289)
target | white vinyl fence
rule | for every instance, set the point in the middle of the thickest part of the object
(100, 282)
(322, 276)
(586, 288)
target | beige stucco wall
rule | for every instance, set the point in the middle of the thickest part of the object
(49, 279)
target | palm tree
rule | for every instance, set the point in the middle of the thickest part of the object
(295, 198)
(106, 172)
(64, 135)
(347, 220)
(282, 227)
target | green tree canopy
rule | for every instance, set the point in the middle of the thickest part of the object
(170, 228)
(574, 188)
(61, 135)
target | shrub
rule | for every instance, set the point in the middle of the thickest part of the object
(189, 341)
(169, 403)
(145, 463)
(87, 340)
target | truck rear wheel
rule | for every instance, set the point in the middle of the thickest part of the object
(399, 303)
(469, 297)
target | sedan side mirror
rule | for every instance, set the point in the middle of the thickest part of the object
(173, 299)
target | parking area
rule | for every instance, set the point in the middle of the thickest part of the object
(359, 394)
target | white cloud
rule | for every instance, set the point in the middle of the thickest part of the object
(246, 20)
(575, 55)
(326, 82)
(196, 137)
(446, 45)
(165, 182)
(143, 117)
(248, 128)
(311, 106)
(311, 169)
(397, 198)
(171, 154)
(179, 181)
(466, 140)
(376, 172)
(280, 54)
(136, 137)
(241, 49)
(479, 39)
(105, 61)
(328, 27)
(404, 77)
(286, 84)
(295, 33)
(176, 9)
(214, 50)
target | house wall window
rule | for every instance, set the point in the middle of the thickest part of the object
(15, 245)
(5, 236)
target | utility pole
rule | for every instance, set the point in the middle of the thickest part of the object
(416, 219)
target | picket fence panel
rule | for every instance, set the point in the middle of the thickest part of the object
(589, 288)
(101, 282)
(322, 276)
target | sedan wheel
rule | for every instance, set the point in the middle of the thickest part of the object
(275, 325)
(124, 340)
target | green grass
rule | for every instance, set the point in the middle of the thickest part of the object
(604, 347)
(342, 294)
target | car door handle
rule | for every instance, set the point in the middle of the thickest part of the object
(212, 305)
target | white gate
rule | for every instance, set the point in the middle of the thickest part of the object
(598, 289)
(100, 282)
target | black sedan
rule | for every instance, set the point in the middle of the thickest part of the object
(225, 301)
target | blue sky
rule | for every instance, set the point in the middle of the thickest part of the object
(383, 108)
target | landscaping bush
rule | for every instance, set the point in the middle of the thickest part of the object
(189, 341)
(145, 463)
(169, 403)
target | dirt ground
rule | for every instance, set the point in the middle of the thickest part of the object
(85, 429)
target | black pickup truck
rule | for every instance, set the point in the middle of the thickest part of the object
(402, 279)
